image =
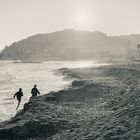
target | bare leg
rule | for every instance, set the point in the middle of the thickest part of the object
(18, 104)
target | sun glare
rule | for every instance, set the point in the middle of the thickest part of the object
(82, 19)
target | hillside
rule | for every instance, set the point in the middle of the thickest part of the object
(72, 45)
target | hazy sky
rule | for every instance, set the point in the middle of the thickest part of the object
(22, 18)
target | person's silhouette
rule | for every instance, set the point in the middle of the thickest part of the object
(18, 94)
(34, 91)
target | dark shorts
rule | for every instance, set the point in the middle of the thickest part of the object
(34, 94)
(19, 99)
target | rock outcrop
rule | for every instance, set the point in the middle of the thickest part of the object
(102, 104)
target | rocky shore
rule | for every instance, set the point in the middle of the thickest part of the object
(101, 104)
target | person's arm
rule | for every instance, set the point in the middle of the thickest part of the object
(38, 91)
(32, 91)
(14, 95)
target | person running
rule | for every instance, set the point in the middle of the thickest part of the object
(34, 91)
(18, 94)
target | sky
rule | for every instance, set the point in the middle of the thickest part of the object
(20, 19)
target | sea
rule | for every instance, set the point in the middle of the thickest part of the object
(24, 75)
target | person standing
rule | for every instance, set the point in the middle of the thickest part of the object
(18, 94)
(34, 91)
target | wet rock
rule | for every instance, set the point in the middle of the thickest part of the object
(78, 83)
(50, 97)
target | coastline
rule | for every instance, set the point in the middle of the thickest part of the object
(101, 103)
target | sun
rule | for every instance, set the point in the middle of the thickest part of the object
(82, 19)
